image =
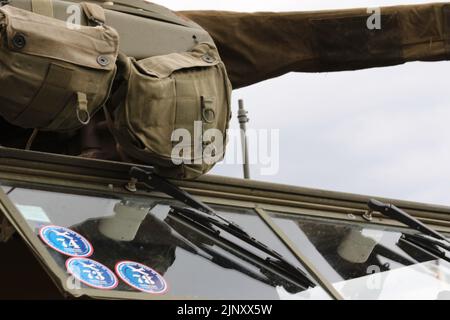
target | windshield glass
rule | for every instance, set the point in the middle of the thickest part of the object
(367, 261)
(131, 245)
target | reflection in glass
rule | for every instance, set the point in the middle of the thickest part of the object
(367, 261)
(139, 230)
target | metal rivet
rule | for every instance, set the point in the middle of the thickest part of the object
(19, 41)
(208, 58)
(103, 60)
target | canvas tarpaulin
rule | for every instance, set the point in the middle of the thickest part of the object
(259, 46)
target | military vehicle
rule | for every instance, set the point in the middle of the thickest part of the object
(79, 227)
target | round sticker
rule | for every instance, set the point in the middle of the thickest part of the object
(141, 277)
(92, 273)
(66, 241)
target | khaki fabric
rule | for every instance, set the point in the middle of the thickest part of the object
(53, 77)
(44, 7)
(93, 12)
(259, 46)
(164, 93)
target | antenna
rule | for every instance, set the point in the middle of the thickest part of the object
(243, 119)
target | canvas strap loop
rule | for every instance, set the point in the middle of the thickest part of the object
(82, 108)
(31, 139)
(208, 112)
(43, 7)
(94, 13)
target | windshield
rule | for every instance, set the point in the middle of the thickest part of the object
(367, 261)
(131, 245)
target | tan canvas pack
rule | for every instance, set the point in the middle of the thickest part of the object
(54, 76)
(168, 108)
(171, 80)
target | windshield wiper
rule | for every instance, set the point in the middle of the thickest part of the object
(436, 248)
(395, 213)
(197, 238)
(429, 240)
(154, 181)
(183, 239)
(277, 269)
(203, 219)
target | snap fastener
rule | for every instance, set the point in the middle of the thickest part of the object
(208, 58)
(19, 41)
(103, 60)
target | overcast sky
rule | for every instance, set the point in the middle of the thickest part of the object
(382, 131)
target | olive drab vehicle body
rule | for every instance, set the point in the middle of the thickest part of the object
(83, 224)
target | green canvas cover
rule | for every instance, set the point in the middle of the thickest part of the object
(263, 45)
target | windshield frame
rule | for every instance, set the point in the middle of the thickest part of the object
(104, 178)
(60, 277)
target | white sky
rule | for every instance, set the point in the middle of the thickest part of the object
(382, 131)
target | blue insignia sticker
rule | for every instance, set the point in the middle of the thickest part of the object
(141, 277)
(66, 241)
(92, 273)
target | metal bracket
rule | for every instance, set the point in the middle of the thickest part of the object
(368, 215)
(131, 185)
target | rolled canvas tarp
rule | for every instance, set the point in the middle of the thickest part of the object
(259, 46)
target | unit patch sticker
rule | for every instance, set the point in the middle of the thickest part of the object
(66, 241)
(92, 273)
(141, 277)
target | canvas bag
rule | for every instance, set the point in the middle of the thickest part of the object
(54, 76)
(188, 91)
